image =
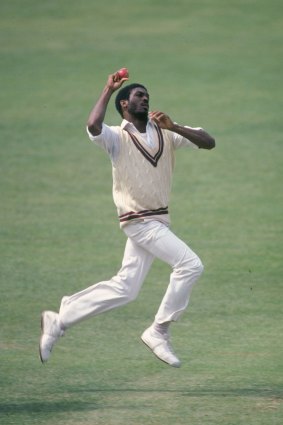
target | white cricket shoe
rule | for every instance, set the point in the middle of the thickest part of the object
(160, 346)
(50, 333)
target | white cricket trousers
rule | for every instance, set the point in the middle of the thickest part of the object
(147, 240)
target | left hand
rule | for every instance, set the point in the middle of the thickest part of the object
(161, 119)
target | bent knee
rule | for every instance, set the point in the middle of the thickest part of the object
(125, 290)
(131, 295)
(199, 267)
(191, 266)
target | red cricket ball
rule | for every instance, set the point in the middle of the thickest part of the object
(123, 73)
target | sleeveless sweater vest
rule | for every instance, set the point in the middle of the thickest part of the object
(142, 177)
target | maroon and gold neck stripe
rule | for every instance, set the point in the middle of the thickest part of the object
(152, 159)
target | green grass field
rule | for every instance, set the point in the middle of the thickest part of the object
(217, 64)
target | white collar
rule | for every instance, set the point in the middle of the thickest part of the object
(130, 125)
(150, 135)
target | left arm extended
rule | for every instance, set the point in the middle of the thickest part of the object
(199, 137)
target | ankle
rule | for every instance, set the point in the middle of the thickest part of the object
(161, 328)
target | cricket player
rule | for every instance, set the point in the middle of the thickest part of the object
(142, 151)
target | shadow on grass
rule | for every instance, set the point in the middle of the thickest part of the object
(46, 407)
(83, 405)
(274, 392)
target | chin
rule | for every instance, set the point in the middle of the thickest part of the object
(143, 116)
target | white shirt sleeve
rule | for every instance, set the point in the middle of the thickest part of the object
(180, 141)
(108, 140)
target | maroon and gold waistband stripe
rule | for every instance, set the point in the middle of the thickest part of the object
(140, 214)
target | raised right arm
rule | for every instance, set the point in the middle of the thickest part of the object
(98, 112)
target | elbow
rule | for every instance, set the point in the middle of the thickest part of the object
(208, 142)
(211, 143)
(93, 128)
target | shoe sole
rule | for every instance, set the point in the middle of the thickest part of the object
(168, 364)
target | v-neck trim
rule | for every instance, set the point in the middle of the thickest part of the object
(153, 159)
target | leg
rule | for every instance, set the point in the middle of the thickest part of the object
(98, 298)
(104, 296)
(158, 240)
(187, 267)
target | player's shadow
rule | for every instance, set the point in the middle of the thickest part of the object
(93, 403)
(59, 406)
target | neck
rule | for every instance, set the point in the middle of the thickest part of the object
(139, 123)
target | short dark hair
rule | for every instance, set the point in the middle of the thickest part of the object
(124, 94)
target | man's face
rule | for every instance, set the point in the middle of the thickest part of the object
(138, 102)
